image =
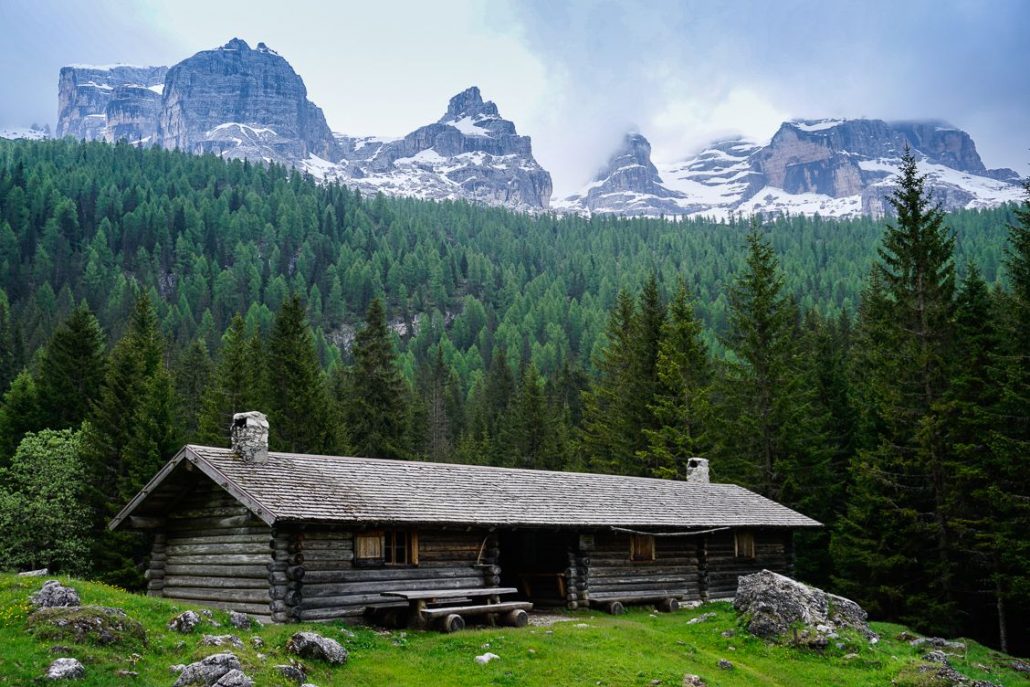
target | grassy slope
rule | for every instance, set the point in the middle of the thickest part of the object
(593, 649)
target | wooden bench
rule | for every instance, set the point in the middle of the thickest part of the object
(665, 601)
(447, 608)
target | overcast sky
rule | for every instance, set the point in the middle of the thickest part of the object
(575, 75)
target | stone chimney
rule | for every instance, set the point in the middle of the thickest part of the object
(697, 470)
(249, 432)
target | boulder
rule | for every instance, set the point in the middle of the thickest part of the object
(184, 622)
(241, 621)
(292, 672)
(693, 681)
(314, 645)
(234, 678)
(210, 671)
(54, 595)
(724, 664)
(939, 643)
(35, 573)
(65, 669)
(774, 605)
(86, 624)
(222, 640)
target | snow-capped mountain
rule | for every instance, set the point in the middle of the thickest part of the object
(109, 102)
(471, 152)
(833, 167)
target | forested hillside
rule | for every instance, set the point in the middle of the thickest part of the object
(871, 375)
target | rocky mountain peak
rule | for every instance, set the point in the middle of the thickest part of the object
(237, 44)
(469, 103)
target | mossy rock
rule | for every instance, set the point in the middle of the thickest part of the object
(87, 625)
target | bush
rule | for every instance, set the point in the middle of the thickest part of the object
(43, 520)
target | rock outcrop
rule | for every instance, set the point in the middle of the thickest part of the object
(314, 645)
(236, 101)
(217, 670)
(53, 594)
(470, 153)
(65, 669)
(86, 624)
(84, 93)
(777, 607)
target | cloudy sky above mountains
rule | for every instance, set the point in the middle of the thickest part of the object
(575, 74)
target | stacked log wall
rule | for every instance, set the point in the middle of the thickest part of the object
(334, 587)
(723, 567)
(213, 551)
(606, 570)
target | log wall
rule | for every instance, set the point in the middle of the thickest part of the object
(213, 551)
(607, 571)
(722, 567)
(333, 587)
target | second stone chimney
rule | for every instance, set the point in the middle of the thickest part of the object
(249, 432)
(697, 470)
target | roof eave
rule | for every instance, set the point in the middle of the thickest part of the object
(213, 473)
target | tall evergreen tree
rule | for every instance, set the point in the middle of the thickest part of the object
(193, 370)
(11, 350)
(295, 395)
(121, 422)
(19, 414)
(376, 404)
(530, 436)
(234, 386)
(893, 549)
(71, 371)
(441, 409)
(682, 406)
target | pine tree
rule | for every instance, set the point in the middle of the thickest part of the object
(192, 376)
(71, 371)
(608, 438)
(893, 548)
(1005, 541)
(376, 405)
(682, 407)
(441, 408)
(19, 414)
(234, 386)
(489, 405)
(529, 434)
(295, 393)
(11, 351)
(121, 422)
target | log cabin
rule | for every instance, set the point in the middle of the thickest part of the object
(295, 537)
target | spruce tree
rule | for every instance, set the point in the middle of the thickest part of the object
(192, 376)
(894, 549)
(529, 433)
(376, 404)
(71, 371)
(121, 422)
(682, 406)
(295, 394)
(234, 386)
(441, 409)
(19, 414)
(608, 438)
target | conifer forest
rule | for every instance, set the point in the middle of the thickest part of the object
(873, 374)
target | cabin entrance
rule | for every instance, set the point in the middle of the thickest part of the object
(535, 562)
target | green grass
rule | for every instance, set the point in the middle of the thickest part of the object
(592, 649)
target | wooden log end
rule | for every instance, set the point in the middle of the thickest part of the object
(452, 623)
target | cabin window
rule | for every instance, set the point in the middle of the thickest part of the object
(386, 547)
(744, 544)
(641, 547)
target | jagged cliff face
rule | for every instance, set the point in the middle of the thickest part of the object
(85, 92)
(628, 184)
(239, 102)
(470, 153)
(831, 167)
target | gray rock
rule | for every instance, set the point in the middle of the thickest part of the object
(234, 678)
(35, 573)
(55, 595)
(938, 643)
(724, 664)
(222, 640)
(293, 673)
(240, 621)
(257, 642)
(1020, 666)
(313, 645)
(703, 618)
(936, 656)
(65, 669)
(85, 92)
(208, 671)
(774, 605)
(185, 622)
(126, 673)
(693, 681)
(239, 102)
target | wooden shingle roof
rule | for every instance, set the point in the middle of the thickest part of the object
(292, 487)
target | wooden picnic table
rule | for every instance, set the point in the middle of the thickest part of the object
(427, 605)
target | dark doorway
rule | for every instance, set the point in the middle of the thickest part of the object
(535, 562)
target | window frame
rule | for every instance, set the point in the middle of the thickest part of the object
(391, 540)
(744, 545)
(642, 548)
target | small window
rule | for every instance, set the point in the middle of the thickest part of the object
(386, 547)
(744, 545)
(641, 547)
